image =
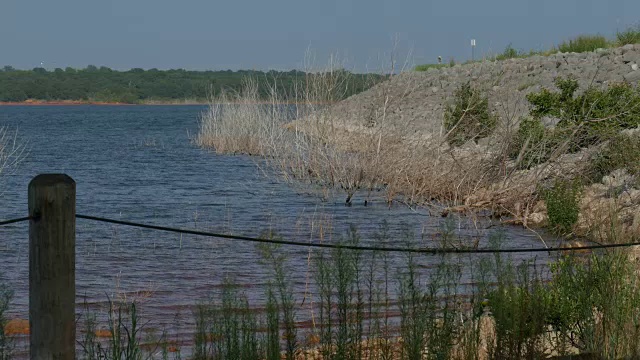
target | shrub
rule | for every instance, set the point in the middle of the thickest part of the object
(622, 152)
(629, 36)
(509, 53)
(589, 118)
(584, 43)
(425, 67)
(518, 304)
(562, 201)
(596, 305)
(468, 118)
(531, 144)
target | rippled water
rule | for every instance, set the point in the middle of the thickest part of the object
(137, 163)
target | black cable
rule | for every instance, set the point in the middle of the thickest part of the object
(349, 247)
(12, 221)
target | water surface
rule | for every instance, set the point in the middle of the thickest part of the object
(137, 163)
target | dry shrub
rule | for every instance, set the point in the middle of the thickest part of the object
(242, 122)
(323, 147)
(11, 150)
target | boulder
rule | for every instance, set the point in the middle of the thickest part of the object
(632, 77)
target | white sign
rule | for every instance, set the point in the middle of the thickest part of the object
(473, 42)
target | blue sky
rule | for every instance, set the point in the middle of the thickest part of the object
(261, 34)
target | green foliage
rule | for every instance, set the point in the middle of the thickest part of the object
(596, 304)
(509, 53)
(589, 303)
(583, 120)
(562, 201)
(532, 143)
(138, 85)
(584, 43)
(428, 312)
(226, 328)
(468, 118)
(280, 299)
(621, 152)
(629, 36)
(519, 305)
(425, 67)
(124, 334)
(594, 115)
(341, 301)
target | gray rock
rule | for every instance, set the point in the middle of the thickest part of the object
(633, 76)
(549, 122)
(617, 178)
(628, 47)
(634, 131)
(630, 56)
(634, 66)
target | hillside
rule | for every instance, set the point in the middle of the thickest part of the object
(539, 141)
(406, 147)
(421, 97)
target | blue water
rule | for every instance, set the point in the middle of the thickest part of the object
(138, 163)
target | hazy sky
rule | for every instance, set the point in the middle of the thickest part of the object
(263, 34)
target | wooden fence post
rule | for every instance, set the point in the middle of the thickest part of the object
(52, 263)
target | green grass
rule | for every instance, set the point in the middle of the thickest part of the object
(425, 67)
(584, 43)
(468, 117)
(562, 201)
(629, 36)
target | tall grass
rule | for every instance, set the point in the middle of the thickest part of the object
(243, 122)
(366, 305)
(122, 337)
(227, 329)
(629, 36)
(363, 309)
(584, 43)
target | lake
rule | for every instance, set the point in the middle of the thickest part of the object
(137, 163)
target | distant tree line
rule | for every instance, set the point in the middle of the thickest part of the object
(138, 85)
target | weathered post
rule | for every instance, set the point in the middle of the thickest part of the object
(52, 263)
